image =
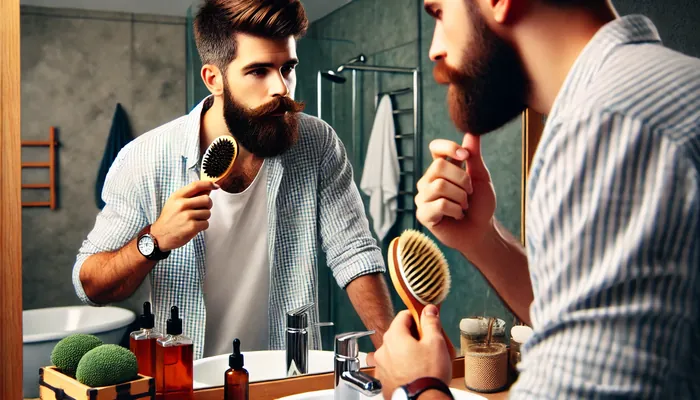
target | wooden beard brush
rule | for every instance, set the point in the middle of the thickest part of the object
(420, 275)
(218, 160)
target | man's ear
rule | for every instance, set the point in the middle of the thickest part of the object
(213, 78)
(503, 11)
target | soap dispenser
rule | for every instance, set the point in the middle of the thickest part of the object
(174, 362)
(236, 378)
(143, 342)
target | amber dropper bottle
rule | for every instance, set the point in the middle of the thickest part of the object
(143, 342)
(236, 377)
(174, 362)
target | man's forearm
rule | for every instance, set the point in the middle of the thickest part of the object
(115, 275)
(369, 295)
(502, 260)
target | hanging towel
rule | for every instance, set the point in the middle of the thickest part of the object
(380, 178)
(119, 136)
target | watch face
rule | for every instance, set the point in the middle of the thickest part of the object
(146, 245)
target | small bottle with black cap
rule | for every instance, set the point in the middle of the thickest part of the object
(143, 342)
(174, 361)
(236, 377)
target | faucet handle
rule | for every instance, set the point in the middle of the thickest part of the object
(346, 343)
(298, 318)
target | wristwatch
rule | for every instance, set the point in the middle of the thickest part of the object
(414, 389)
(148, 246)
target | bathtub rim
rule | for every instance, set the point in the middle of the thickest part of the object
(123, 318)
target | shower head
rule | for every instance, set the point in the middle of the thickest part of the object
(331, 76)
(359, 59)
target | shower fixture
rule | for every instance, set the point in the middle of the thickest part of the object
(359, 59)
(333, 77)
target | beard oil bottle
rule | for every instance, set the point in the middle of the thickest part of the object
(174, 362)
(236, 377)
(143, 342)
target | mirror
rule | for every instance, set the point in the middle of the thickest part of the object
(77, 65)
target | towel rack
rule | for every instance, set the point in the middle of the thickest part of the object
(401, 138)
(51, 165)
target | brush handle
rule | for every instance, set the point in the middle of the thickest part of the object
(416, 312)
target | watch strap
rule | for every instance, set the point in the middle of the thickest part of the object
(422, 385)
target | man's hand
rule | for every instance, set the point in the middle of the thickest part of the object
(403, 359)
(184, 215)
(457, 203)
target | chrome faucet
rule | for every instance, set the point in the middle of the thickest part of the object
(349, 380)
(298, 340)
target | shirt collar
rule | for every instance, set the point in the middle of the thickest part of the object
(190, 146)
(626, 30)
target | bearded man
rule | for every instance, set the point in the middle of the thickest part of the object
(610, 279)
(235, 259)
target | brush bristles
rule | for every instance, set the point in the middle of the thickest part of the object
(218, 157)
(423, 267)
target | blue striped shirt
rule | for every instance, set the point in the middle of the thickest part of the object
(613, 229)
(312, 204)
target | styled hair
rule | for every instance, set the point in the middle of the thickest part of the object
(218, 21)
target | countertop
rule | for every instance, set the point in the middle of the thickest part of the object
(458, 383)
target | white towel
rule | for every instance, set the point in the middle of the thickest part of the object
(380, 178)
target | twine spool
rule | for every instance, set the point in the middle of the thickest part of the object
(486, 367)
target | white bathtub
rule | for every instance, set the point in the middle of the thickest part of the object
(44, 327)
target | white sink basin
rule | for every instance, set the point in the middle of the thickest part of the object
(261, 365)
(328, 395)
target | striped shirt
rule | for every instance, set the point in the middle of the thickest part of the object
(613, 229)
(312, 204)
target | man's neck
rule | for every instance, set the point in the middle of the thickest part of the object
(213, 125)
(550, 41)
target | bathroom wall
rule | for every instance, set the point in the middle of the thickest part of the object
(76, 66)
(677, 21)
(398, 33)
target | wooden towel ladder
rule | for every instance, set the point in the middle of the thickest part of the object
(51, 165)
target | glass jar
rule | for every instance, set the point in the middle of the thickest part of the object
(518, 336)
(473, 330)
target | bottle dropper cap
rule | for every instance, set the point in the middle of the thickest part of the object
(235, 360)
(147, 319)
(174, 323)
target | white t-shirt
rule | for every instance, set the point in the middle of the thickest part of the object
(237, 283)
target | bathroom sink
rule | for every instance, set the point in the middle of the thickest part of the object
(328, 395)
(261, 365)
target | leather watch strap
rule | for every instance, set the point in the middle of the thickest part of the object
(421, 385)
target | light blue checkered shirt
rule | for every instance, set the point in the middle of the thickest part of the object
(613, 229)
(312, 202)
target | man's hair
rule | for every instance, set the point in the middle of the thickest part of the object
(218, 22)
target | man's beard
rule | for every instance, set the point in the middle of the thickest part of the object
(266, 131)
(491, 88)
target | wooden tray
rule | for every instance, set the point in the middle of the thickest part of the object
(54, 385)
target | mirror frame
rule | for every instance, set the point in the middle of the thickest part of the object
(11, 208)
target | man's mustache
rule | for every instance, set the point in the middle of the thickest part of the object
(278, 105)
(444, 74)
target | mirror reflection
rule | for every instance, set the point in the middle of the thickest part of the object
(231, 185)
(281, 241)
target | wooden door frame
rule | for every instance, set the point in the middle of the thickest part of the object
(533, 125)
(10, 205)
